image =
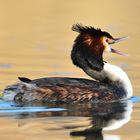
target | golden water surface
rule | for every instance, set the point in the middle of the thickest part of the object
(36, 40)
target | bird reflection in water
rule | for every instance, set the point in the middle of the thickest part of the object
(105, 117)
(101, 117)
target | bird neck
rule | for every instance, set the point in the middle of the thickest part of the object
(113, 75)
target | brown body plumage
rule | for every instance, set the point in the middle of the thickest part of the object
(65, 90)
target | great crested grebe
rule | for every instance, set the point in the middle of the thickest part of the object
(111, 82)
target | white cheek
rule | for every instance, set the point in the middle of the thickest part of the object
(107, 47)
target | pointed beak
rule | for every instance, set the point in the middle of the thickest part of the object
(118, 52)
(116, 40)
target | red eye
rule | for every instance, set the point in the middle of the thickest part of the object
(106, 40)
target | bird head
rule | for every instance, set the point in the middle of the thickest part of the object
(89, 46)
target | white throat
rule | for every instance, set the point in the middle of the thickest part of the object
(115, 75)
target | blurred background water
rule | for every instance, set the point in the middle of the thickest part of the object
(36, 40)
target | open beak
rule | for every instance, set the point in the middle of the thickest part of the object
(116, 40)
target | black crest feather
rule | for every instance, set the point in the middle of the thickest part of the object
(81, 29)
(90, 30)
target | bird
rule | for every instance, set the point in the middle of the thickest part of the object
(109, 82)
